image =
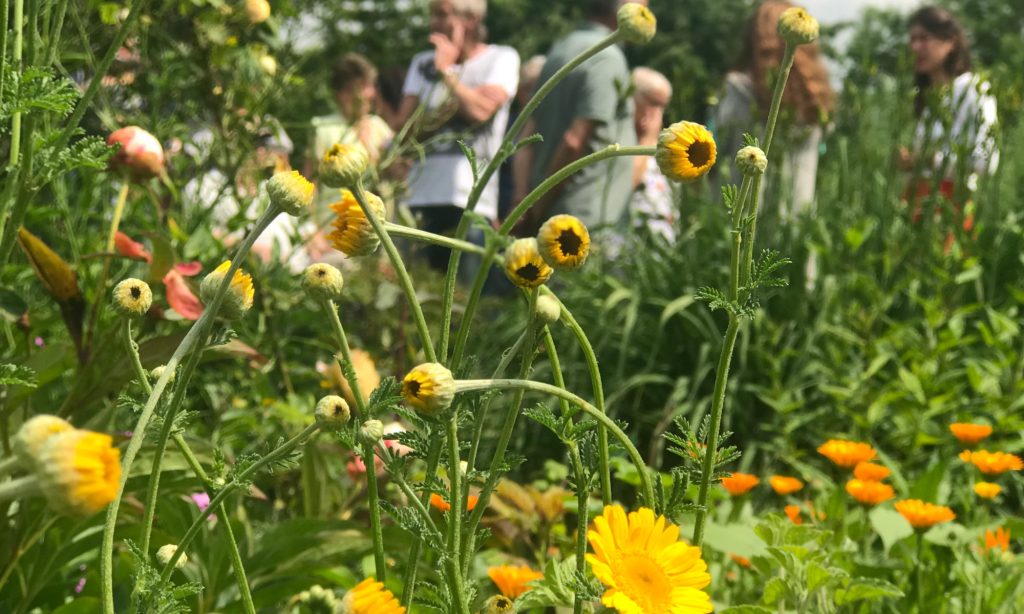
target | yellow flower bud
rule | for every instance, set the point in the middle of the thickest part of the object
(343, 165)
(322, 281)
(79, 472)
(751, 161)
(33, 435)
(239, 297)
(132, 298)
(166, 552)
(429, 388)
(371, 432)
(290, 192)
(157, 372)
(499, 604)
(353, 234)
(564, 242)
(797, 27)
(333, 411)
(637, 23)
(524, 265)
(685, 151)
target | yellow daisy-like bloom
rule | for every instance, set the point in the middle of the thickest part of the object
(644, 566)
(785, 485)
(922, 515)
(498, 604)
(987, 490)
(685, 151)
(869, 492)
(846, 453)
(429, 388)
(992, 463)
(513, 580)
(132, 298)
(79, 472)
(353, 234)
(238, 299)
(564, 242)
(739, 483)
(969, 434)
(322, 281)
(637, 23)
(343, 165)
(870, 472)
(31, 438)
(290, 191)
(797, 27)
(370, 597)
(997, 540)
(524, 265)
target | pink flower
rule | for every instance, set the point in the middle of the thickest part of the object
(127, 247)
(140, 155)
(201, 499)
(180, 297)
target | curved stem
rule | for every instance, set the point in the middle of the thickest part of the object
(403, 275)
(195, 336)
(522, 384)
(409, 585)
(399, 230)
(481, 415)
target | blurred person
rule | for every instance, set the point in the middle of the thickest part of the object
(389, 94)
(528, 75)
(465, 86)
(746, 97)
(956, 112)
(584, 113)
(651, 204)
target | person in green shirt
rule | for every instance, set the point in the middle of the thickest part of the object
(588, 111)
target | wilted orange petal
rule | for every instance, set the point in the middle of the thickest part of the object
(180, 296)
(130, 248)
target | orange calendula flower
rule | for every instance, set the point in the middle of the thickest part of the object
(998, 539)
(739, 483)
(987, 490)
(869, 492)
(922, 515)
(870, 472)
(513, 580)
(992, 463)
(846, 453)
(793, 513)
(970, 434)
(785, 485)
(644, 566)
(438, 502)
(370, 597)
(742, 561)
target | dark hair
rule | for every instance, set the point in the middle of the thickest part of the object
(603, 8)
(941, 24)
(352, 67)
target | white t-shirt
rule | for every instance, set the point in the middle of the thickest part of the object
(444, 176)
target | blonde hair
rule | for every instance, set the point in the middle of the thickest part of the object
(472, 8)
(648, 81)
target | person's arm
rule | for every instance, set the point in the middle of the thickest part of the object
(522, 164)
(405, 111)
(476, 104)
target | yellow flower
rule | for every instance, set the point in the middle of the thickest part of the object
(868, 492)
(353, 234)
(524, 265)
(751, 160)
(685, 151)
(846, 453)
(785, 485)
(132, 298)
(55, 273)
(992, 463)
(636, 23)
(644, 566)
(257, 11)
(511, 580)
(343, 165)
(564, 243)
(498, 604)
(429, 388)
(923, 515)
(969, 434)
(870, 472)
(238, 299)
(987, 490)
(333, 411)
(31, 438)
(290, 192)
(322, 281)
(79, 472)
(998, 539)
(739, 483)
(370, 597)
(797, 27)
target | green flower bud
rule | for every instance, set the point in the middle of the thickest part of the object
(132, 298)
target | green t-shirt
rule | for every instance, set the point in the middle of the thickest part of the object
(595, 90)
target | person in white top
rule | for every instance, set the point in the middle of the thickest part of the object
(651, 204)
(466, 87)
(953, 141)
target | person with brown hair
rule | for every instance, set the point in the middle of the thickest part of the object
(807, 102)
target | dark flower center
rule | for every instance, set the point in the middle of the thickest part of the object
(321, 272)
(699, 153)
(569, 242)
(503, 603)
(529, 272)
(136, 292)
(413, 387)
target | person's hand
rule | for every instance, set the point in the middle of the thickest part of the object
(447, 50)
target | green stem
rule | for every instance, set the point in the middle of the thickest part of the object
(20, 488)
(409, 584)
(16, 57)
(521, 384)
(455, 516)
(919, 573)
(399, 230)
(481, 415)
(505, 150)
(9, 465)
(346, 353)
(195, 336)
(403, 275)
(403, 485)
(780, 86)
